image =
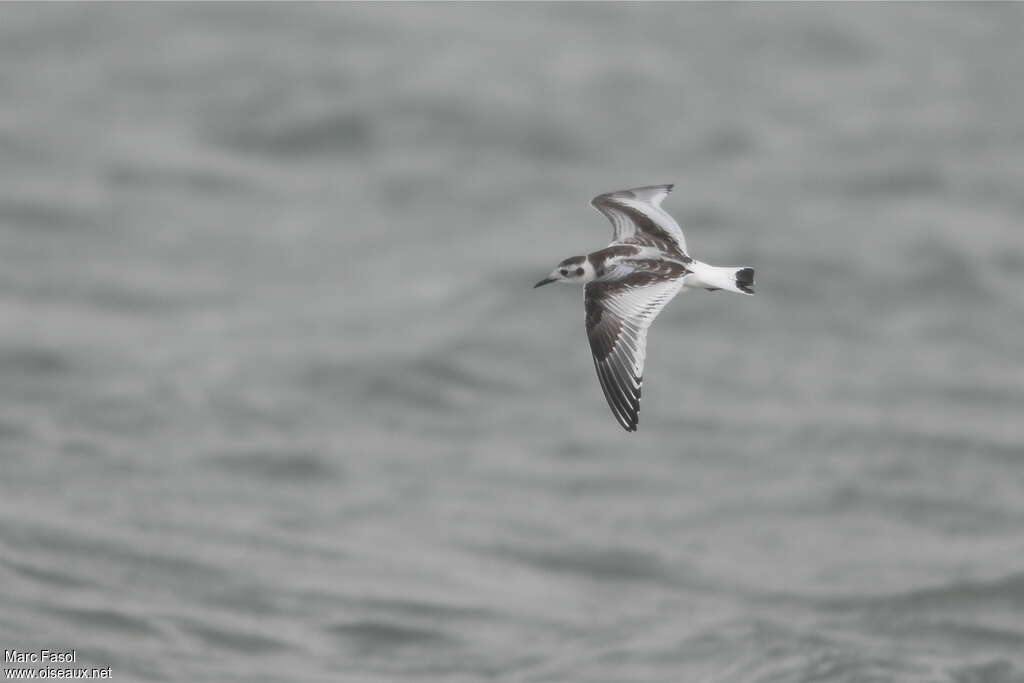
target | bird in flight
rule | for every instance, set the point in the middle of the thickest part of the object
(630, 281)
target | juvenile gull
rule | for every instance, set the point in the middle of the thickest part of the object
(630, 281)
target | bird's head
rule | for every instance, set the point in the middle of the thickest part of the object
(574, 269)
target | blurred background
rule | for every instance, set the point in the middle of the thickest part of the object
(279, 403)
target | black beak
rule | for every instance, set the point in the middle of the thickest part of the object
(544, 282)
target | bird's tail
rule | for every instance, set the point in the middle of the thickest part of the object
(739, 279)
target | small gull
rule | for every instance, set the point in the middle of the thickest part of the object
(630, 281)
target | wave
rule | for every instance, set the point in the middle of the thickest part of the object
(288, 464)
(382, 635)
(599, 564)
(1005, 592)
(296, 135)
(237, 639)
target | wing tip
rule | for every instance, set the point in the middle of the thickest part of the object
(667, 187)
(632, 421)
(653, 194)
(625, 405)
(654, 190)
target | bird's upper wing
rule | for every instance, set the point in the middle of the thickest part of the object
(618, 315)
(637, 217)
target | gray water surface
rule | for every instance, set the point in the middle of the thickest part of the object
(279, 403)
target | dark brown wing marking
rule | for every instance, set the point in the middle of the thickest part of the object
(637, 218)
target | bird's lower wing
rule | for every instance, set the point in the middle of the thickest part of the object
(618, 315)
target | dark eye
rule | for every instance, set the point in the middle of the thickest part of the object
(564, 271)
(579, 271)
